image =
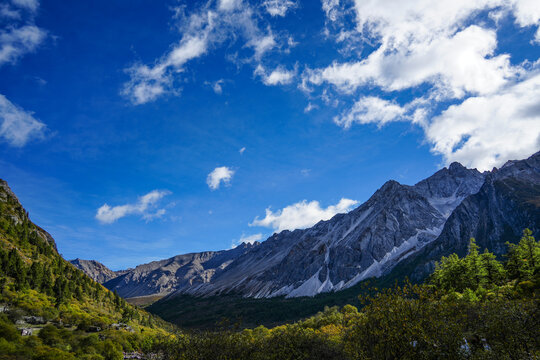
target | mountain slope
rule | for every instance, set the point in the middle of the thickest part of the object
(507, 203)
(13, 217)
(169, 275)
(35, 281)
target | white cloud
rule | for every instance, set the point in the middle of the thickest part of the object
(302, 215)
(527, 12)
(456, 58)
(247, 239)
(486, 131)
(145, 206)
(310, 107)
(331, 9)
(203, 30)
(279, 7)
(16, 42)
(6, 11)
(371, 109)
(228, 5)
(278, 76)
(261, 45)
(31, 5)
(148, 83)
(17, 125)
(216, 86)
(219, 175)
(470, 69)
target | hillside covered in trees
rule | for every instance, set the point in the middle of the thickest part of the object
(41, 294)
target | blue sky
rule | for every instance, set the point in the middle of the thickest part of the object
(135, 131)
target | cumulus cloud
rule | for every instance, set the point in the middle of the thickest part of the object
(472, 107)
(279, 7)
(206, 28)
(145, 206)
(471, 68)
(278, 76)
(219, 175)
(246, 239)
(18, 126)
(331, 9)
(302, 215)
(371, 109)
(485, 131)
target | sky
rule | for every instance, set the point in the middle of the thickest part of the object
(134, 131)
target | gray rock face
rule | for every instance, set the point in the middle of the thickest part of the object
(397, 221)
(166, 276)
(96, 270)
(507, 203)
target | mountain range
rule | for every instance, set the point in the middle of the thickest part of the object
(401, 230)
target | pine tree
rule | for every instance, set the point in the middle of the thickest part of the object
(494, 270)
(524, 258)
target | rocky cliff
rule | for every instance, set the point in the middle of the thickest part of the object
(96, 270)
(169, 275)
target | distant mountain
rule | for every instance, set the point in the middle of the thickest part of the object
(96, 270)
(166, 276)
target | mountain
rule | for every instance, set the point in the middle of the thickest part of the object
(507, 203)
(166, 276)
(96, 270)
(400, 231)
(503, 203)
(397, 221)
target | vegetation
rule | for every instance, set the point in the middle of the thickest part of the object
(474, 307)
(69, 314)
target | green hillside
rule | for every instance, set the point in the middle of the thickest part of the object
(67, 313)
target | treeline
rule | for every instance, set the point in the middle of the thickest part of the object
(475, 307)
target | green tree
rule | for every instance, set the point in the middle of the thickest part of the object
(524, 258)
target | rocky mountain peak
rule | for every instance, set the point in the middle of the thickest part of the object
(94, 269)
